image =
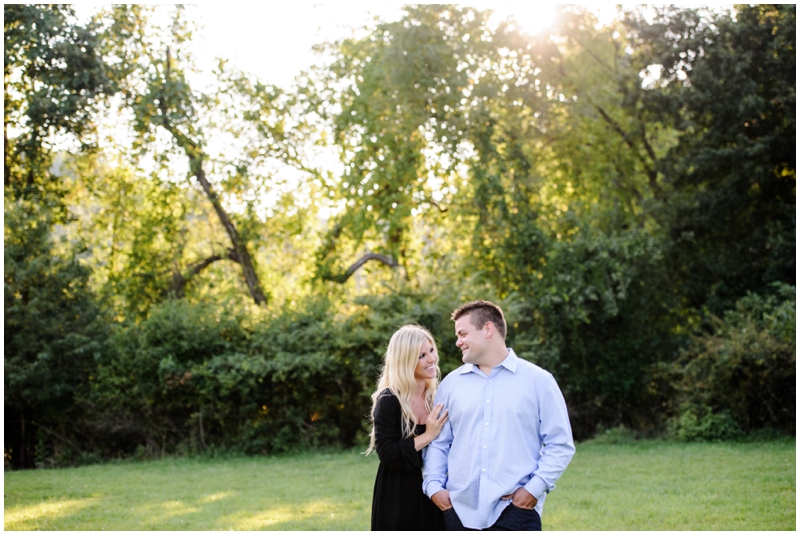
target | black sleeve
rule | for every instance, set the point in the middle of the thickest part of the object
(393, 448)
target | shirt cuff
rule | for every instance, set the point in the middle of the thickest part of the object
(432, 488)
(537, 487)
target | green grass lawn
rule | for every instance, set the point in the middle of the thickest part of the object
(648, 485)
(652, 485)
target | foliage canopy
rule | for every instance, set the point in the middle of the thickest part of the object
(226, 273)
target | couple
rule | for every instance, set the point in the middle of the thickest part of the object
(496, 435)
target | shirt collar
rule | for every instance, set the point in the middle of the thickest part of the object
(510, 363)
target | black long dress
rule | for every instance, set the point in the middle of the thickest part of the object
(398, 502)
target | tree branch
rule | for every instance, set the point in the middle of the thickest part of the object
(647, 147)
(179, 279)
(651, 172)
(595, 56)
(441, 209)
(197, 267)
(58, 435)
(387, 260)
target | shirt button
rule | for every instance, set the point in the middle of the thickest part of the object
(484, 469)
(485, 423)
(484, 446)
(487, 401)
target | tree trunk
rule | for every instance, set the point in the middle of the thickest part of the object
(22, 444)
(202, 433)
(6, 160)
(195, 155)
(242, 255)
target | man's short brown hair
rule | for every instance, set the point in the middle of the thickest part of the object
(481, 312)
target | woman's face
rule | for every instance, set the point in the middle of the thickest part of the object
(426, 362)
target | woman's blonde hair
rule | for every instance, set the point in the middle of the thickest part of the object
(397, 375)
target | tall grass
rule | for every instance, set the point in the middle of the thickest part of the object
(648, 485)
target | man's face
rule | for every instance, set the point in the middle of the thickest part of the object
(470, 340)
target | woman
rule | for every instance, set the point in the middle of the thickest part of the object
(405, 421)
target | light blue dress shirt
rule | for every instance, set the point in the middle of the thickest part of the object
(504, 431)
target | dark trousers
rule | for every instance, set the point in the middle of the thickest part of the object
(512, 518)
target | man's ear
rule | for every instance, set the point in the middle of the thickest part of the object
(490, 329)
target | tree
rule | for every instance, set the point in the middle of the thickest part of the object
(54, 77)
(53, 333)
(239, 140)
(140, 232)
(402, 86)
(727, 85)
(158, 92)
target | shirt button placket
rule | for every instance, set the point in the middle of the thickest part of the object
(488, 389)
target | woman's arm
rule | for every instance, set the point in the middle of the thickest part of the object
(393, 448)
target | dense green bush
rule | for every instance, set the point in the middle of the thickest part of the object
(204, 378)
(145, 392)
(194, 377)
(742, 376)
(599, 318)
(199, 377)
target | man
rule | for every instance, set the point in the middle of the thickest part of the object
(508, 438)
